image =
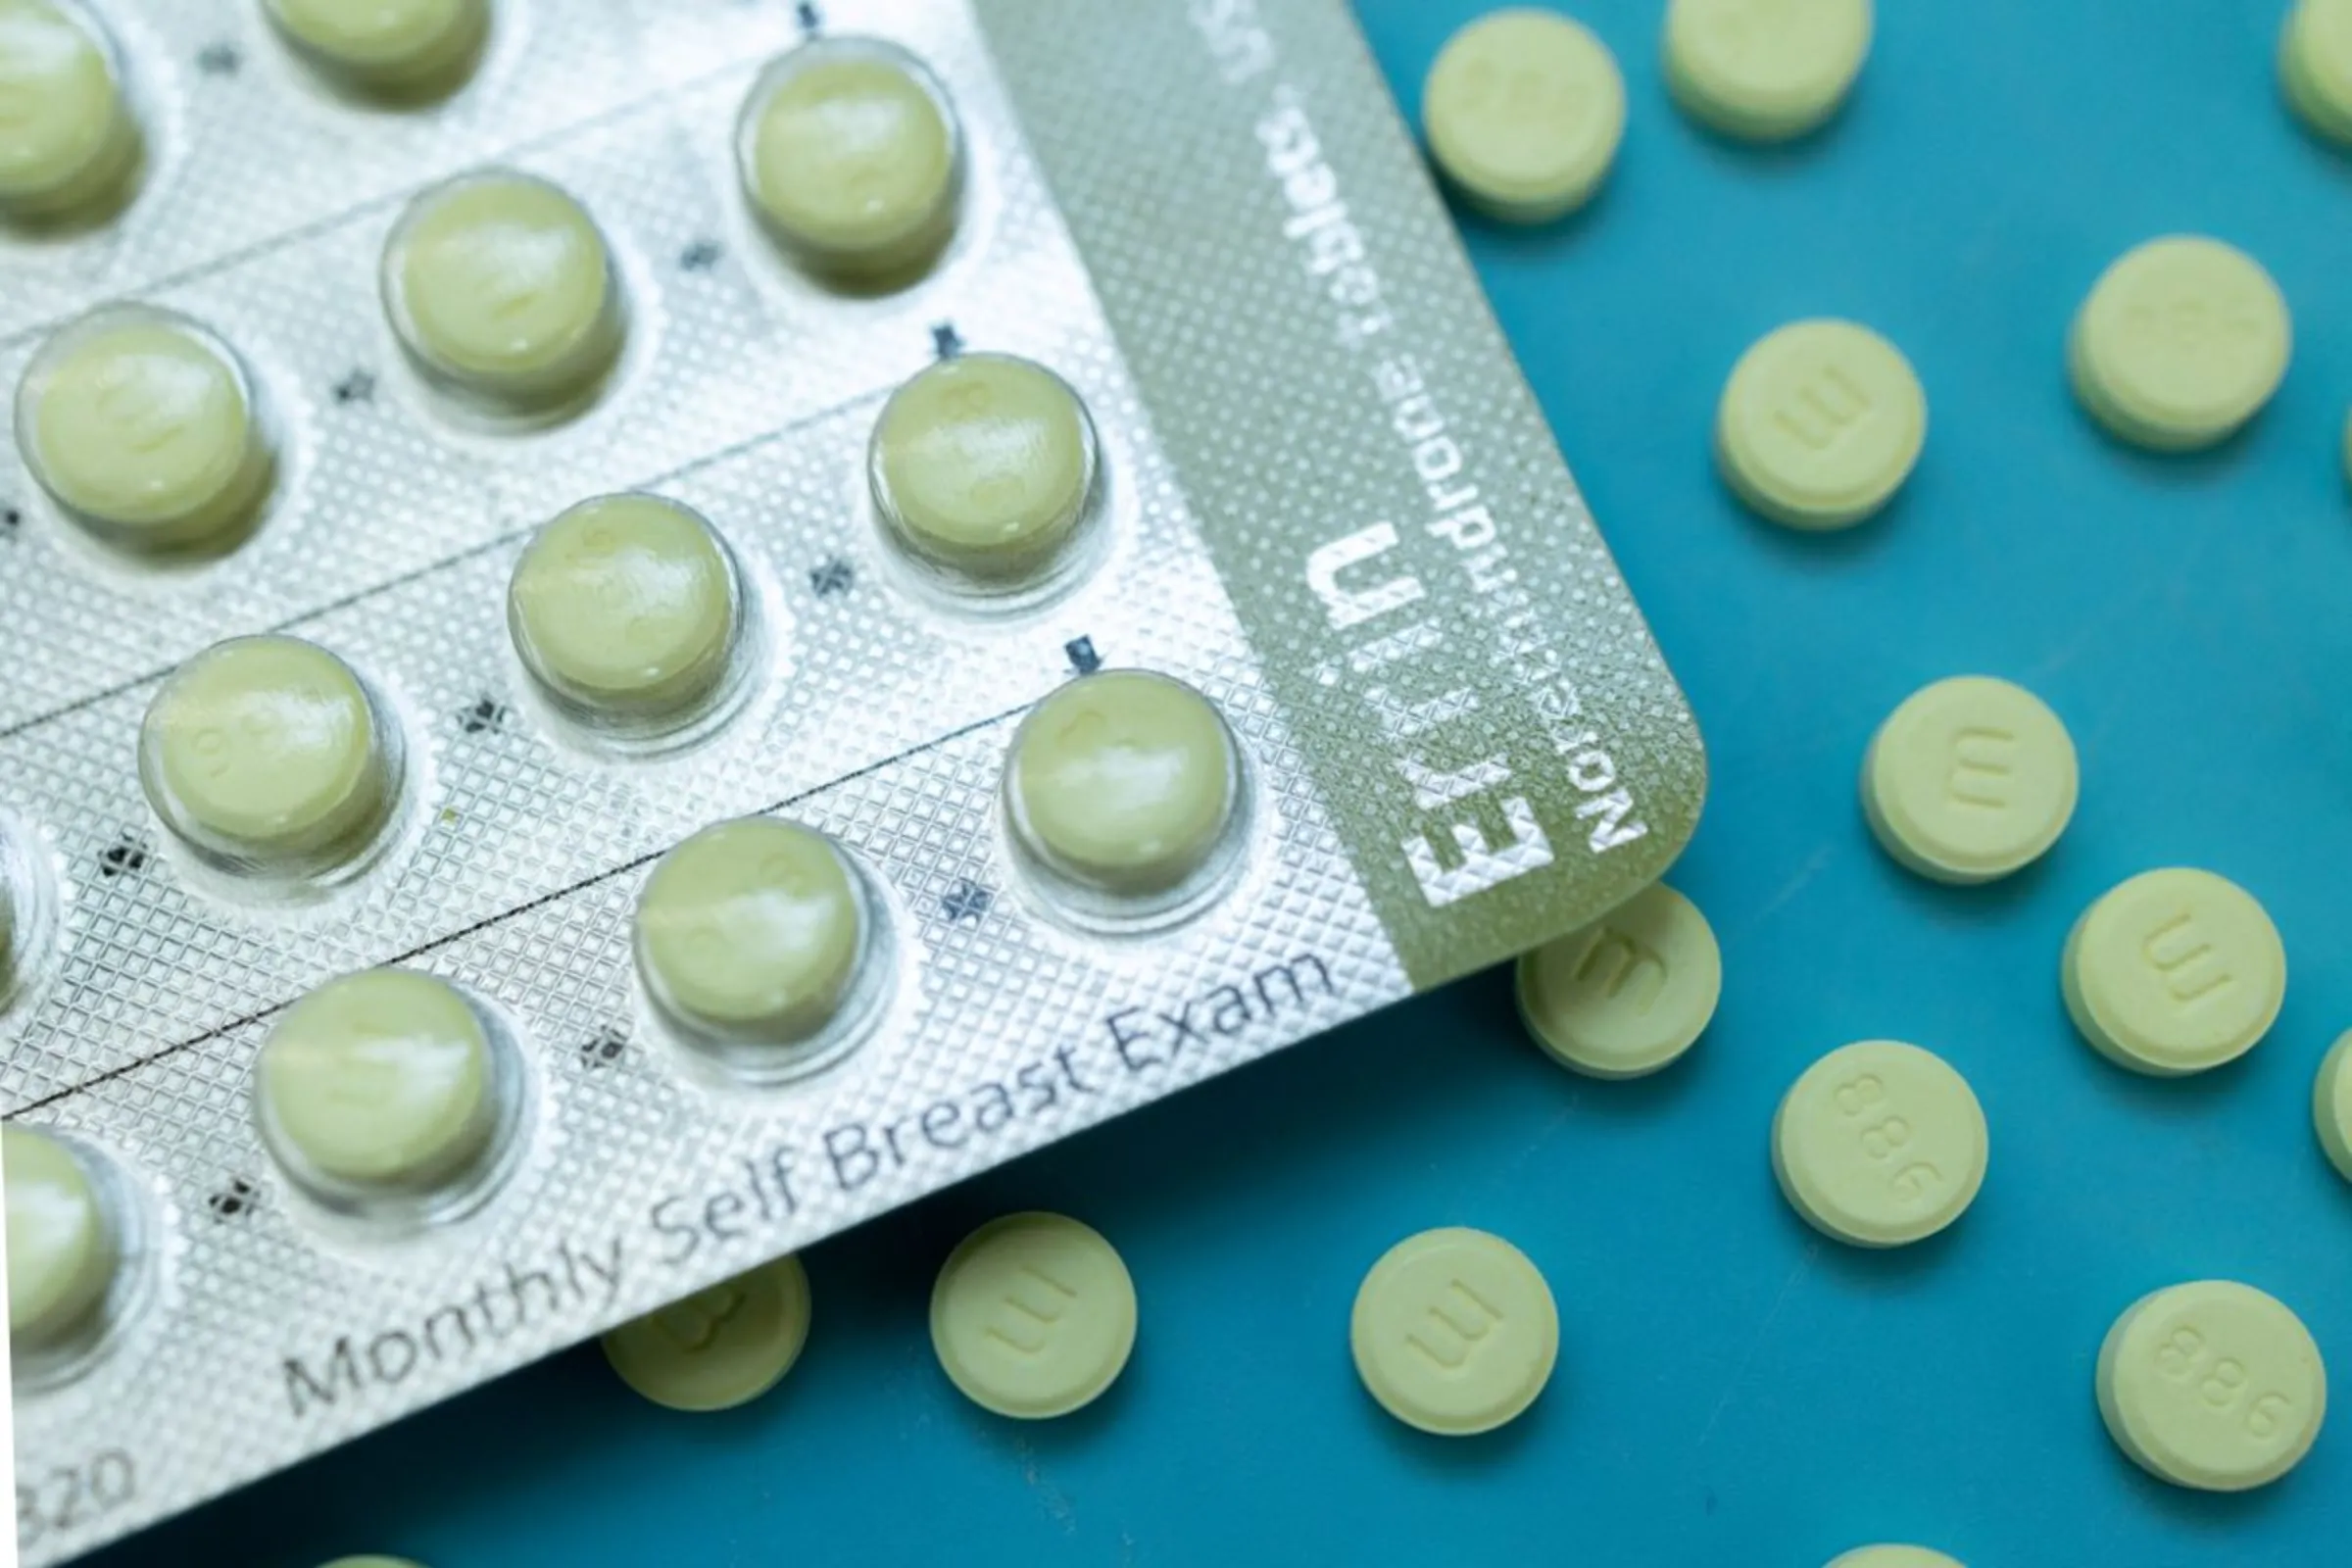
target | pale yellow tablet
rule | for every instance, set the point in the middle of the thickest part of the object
(1124, 782)
(269, 752)
(1894, 1557)
(68, 139)
(2175, 971)
(627, 607)
(752, 931)
(1454, 1332)
(984, 464)
(849, 153)
(2314, 64)
(381, 1083)
(502, 289)
(2180, 343)
(371, 1561)
(1880, 1144)
(2332, 1106)
(1765, 70)
(145, 429)
(1630, 993)
(1033, 1317)
(1820, 423)
(719, 1348)
(1524, 110)
(2212, 1385)
(390, 45)
(1970, 779)
(63, 1248)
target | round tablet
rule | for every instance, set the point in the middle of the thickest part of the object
(1630, 993)
(144, 428)
(1454, 1332)
(752, 931)
(983, 464)
(1765, 70)
(62, 1246)
(1033, 1317)
(371, 1561)
(2175, 971)
(718, 1348)
(1124, 782)
(502, 289)
(1880, 1144)
(2212, 1385)
(1524, 110)
(2180, 343)
(405, 45)
(627, 607)
(379, 1082)
(268, 754)
(1970, 779)
(68, 140)
(2332, 1106)
(849, 154)
(1894, 1558)
(1820, 423)
(2314, 62)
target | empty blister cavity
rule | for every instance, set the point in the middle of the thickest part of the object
(393, 49)
(70, 142)
(148, 432)
(70, 1249)
(850, 155)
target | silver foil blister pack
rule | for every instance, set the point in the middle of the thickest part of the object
(1325, 500)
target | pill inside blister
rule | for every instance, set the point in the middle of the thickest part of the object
(850, 155)
(65, 1246)
(146, 430)
(27, 909)
(503, 295)
(269, 757)
(403, 48)
(68, 142)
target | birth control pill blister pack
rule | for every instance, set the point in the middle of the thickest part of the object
(1052, 456)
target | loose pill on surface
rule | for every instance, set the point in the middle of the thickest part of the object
(503, 290)
(1894, 1557)
(370, 1562)
(1033, 1317)
(145, 429)
(2180, 343)
(983, 464)
(63, 1248)
(1630, 993)
(2314, 64)
(850, 155)
(2332, 1106)
(2175, 971)
(1880, 1144)
(1454, 1332)
(404, 46)
(1970, 779)
(1524, 111)
(721, 1346)
(627, 607)
(1765, 70)
(2212, 1385)
(68, 139)
(1820, 424)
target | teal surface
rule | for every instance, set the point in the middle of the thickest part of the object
(1732, 1389)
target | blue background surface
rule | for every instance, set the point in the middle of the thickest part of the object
(1731, 1388)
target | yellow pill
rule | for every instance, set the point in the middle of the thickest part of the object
(627, 607)
(1970, 779)
(503, 290)
(145, 429)
(1124, 782)
(2180, 343)
(1765, 70)
(2314, 64)
(381, 1083)
(1820, 423)
(1033, 1317)
(1524, 111)
(2175, 971)
(983, 464)
(1454, 1332)
(849, 153)
(2212, 1385)
(721, 1346)
(371, 1561)
(401, 46)
(2332, 1106)
(1894, 1558)
(67, 140)
(1880, 1144)
(1628, 994)
(64, 1246)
